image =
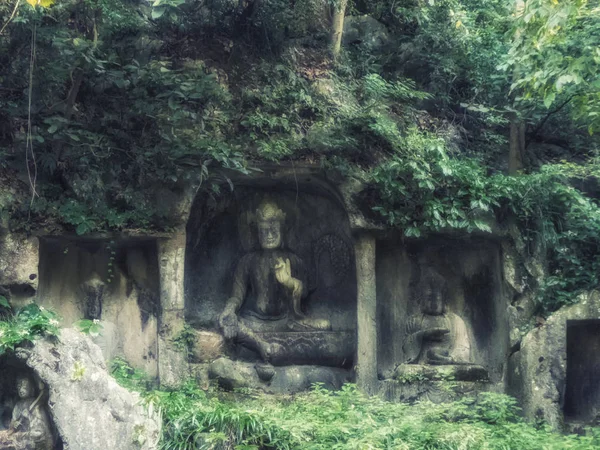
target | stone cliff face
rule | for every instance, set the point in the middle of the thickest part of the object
(555, 372)
(161, 299)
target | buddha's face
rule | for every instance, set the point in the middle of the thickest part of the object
(269, 234)
(24, 388)
(433, 301)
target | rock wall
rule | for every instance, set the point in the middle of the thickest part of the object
(362, 278)
(473, 272)
(19, 256)
(316, 230)
(538, 371)
(115, 281)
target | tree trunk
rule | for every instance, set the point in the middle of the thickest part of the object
(337, 27)
(516, 152)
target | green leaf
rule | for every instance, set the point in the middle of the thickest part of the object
(82, 228)
(4, 301)
(549, 99)
(158, 12)
(562, 80)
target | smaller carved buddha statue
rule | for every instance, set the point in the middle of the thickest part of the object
(30, 425)
(269, 285)
(436, 336)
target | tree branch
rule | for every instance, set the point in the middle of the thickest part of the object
(11, 17)
(545, 119)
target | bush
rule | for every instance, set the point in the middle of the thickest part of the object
(28, 324)
(346, 419)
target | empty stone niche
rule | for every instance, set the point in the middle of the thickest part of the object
(582, 393)
(114, 281)
(470, 271)
(315, 232)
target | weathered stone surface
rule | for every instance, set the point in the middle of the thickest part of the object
(207, 346)
(327, 348)
(518, 281)
(435, 335)
(420, 372)
(475, 291)
(366, 360)
(434, 391)
(90, 410)
(537, 373)
(80, 278)
(275, 380)
(19, 257)
(512, 274)
(272, 269)
(172, 363)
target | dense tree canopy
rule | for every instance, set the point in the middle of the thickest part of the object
(104, 104)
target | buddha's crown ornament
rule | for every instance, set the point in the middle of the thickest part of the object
(268, 211)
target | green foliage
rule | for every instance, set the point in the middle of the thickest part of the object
(421, 189)
(4, 302)
(26, 325)
(424, 190)
(131, 99)
(487, 407)
(91, 327)
(100, 164)
(128, 377)
(555, 55)
(410, 378)
(346, 419)
(78, 371)
(184, 341)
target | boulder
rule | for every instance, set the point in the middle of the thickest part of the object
(365, 30)
(538, 372)
(275, 380)
(89, 409)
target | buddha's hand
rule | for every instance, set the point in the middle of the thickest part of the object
(436, 334)
(283, 273)
(228, 322)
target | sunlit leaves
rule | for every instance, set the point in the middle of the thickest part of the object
(42, 3)
(555, 55)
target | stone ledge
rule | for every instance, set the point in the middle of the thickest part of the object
(281, 380)
(325, 348)
(410, 373)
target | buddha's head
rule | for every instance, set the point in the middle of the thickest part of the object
(25, 387)
(269, 219)
(433, 294)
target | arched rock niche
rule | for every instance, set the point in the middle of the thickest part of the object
(114, 281)
(316, 229)
(472, 271)
(24, 415)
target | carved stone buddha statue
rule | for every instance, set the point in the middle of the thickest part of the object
(436, 336)
(30, 426)
(269, 286)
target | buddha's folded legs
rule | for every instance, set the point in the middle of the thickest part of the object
(246, 335)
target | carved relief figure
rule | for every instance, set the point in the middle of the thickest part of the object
(30, 426)
(269, 286)
(436, 336)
